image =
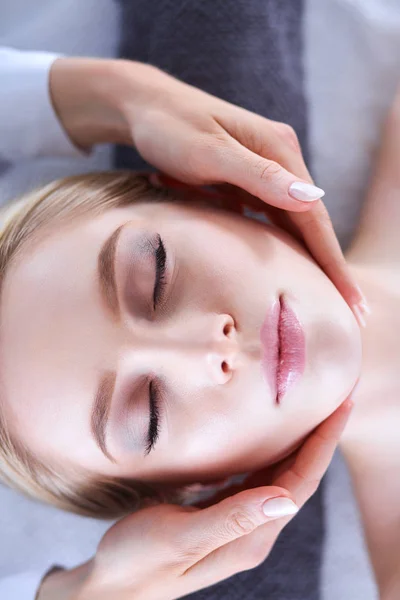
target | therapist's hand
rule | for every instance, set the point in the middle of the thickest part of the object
(199, 139)
(165, 552)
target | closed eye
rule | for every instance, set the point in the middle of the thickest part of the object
(154, 422)
(160, 256)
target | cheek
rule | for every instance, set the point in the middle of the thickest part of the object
(227, 432)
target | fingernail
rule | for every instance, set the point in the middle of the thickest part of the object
(348, 404)
(279, 507)
(363, 304)
(364, 307)
(359, 315)
(306, 192)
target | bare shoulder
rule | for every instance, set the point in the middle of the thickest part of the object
(373, 458)
(371, 446)
(371, 441)
(378, 238)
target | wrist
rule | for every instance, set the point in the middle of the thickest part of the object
(68, 584)
(84, 93)
(138, 89)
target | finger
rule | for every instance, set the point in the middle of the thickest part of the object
(275, 216)
(221, 531)
(240, 555)
(278, 142)
(270, 139)
(319, 236)
(302, 477)
(232, 518)
(264, 178)
(286, 151)
(314, 229)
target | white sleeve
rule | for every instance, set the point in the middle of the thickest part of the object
(29, 126)
(22, 586)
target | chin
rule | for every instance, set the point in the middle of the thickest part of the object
(334, 359)
(351, 359)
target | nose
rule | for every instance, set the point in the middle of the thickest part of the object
(222, 353)
(203, 350)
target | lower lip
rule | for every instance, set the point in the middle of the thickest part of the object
(283, 343)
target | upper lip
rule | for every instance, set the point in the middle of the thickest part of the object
(283, 344)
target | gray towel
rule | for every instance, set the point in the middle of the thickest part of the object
(248, 52)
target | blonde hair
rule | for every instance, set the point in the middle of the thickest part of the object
(22, 223)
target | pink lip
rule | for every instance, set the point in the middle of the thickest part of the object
(283, 345)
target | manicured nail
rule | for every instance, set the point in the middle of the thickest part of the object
(365, 309)
(359, 315)
(279, 507)
(363, 304)
(305, 192)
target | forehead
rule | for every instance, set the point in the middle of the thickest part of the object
(49, 312)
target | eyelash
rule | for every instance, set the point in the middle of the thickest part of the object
(160, 256)
(154, 418)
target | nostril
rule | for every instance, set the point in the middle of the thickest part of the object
(228, 328)
(224, 367)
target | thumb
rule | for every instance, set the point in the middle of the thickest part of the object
(237, 516)
(264, 178)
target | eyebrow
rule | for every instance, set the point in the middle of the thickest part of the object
(101, 411)
(106, 272)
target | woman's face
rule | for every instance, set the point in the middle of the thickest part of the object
(191, 343)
